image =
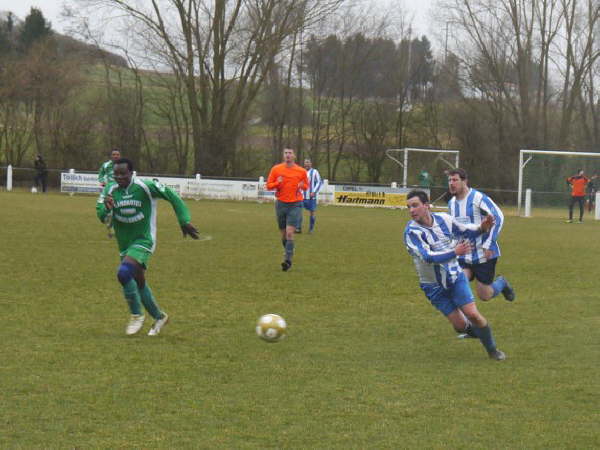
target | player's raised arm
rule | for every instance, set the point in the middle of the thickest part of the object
(464, 230)
(491, 209)
(487, 223)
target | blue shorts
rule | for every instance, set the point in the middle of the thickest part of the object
(447, 300)
(310, 204)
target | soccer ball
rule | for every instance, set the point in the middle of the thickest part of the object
(271, 328)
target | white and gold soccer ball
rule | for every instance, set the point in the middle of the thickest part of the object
(271, 328)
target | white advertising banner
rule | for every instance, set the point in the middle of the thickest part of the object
(86, 183)
(185, 187)
(382, 196)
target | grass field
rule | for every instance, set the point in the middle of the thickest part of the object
(368, 363)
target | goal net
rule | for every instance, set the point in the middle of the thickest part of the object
(426, 168)
(545, 172)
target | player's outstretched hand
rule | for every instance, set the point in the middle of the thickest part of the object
(190, 230)
(487, 223)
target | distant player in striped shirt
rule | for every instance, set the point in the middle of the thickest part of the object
(310, 194)
(470, 206)
(436, 241)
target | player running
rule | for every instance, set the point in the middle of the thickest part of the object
(288, 180)
(132, 203)
(310, 195)
(471, 206)
(435, 241)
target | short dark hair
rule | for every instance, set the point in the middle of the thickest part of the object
(125, 161)
(418, 193)
(462, 173)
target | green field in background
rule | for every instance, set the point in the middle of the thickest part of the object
(368, 363)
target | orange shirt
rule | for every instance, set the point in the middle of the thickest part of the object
(288, 190)
(578, 185)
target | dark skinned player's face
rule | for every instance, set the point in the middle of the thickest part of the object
(122, 175)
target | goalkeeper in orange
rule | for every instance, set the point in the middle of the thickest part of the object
(578, 183)
(288, 180)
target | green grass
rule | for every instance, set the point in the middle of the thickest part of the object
(368, 362)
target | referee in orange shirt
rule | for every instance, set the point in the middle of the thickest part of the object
(577, 183)
(288, 180)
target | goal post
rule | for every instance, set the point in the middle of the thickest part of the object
(401, 157)
(551, 174)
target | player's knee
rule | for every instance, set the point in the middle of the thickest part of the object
(125, 273)
(477, 319)
(485, 291)
(484, 296)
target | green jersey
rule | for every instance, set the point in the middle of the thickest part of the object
(105, 174)
(134, 213)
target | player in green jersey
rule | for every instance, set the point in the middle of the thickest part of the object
(105, 174)
(132, 203)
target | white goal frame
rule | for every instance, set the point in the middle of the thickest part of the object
(404, 163)
(523, 163)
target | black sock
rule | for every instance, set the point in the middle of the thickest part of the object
(469, 330)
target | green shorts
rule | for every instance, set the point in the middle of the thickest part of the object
(288, 214)
(140, 254)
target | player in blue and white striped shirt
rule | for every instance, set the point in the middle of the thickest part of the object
(435, 241)
(470, 206)
(310, 195)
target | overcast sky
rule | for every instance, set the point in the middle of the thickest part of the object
(52, 8)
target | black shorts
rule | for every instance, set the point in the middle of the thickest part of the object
(482, 272)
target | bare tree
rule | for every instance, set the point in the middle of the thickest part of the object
(581, 25)
(168, 101)
(16, 120)
(223, 49)
(372, 127)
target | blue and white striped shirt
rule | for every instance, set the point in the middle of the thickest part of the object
(472, 209)
(314, 183)
(432, 248)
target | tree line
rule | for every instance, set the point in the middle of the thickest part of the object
(220, 87)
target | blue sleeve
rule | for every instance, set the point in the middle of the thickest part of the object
(489, 207)
(417, 246)
(462, 230)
